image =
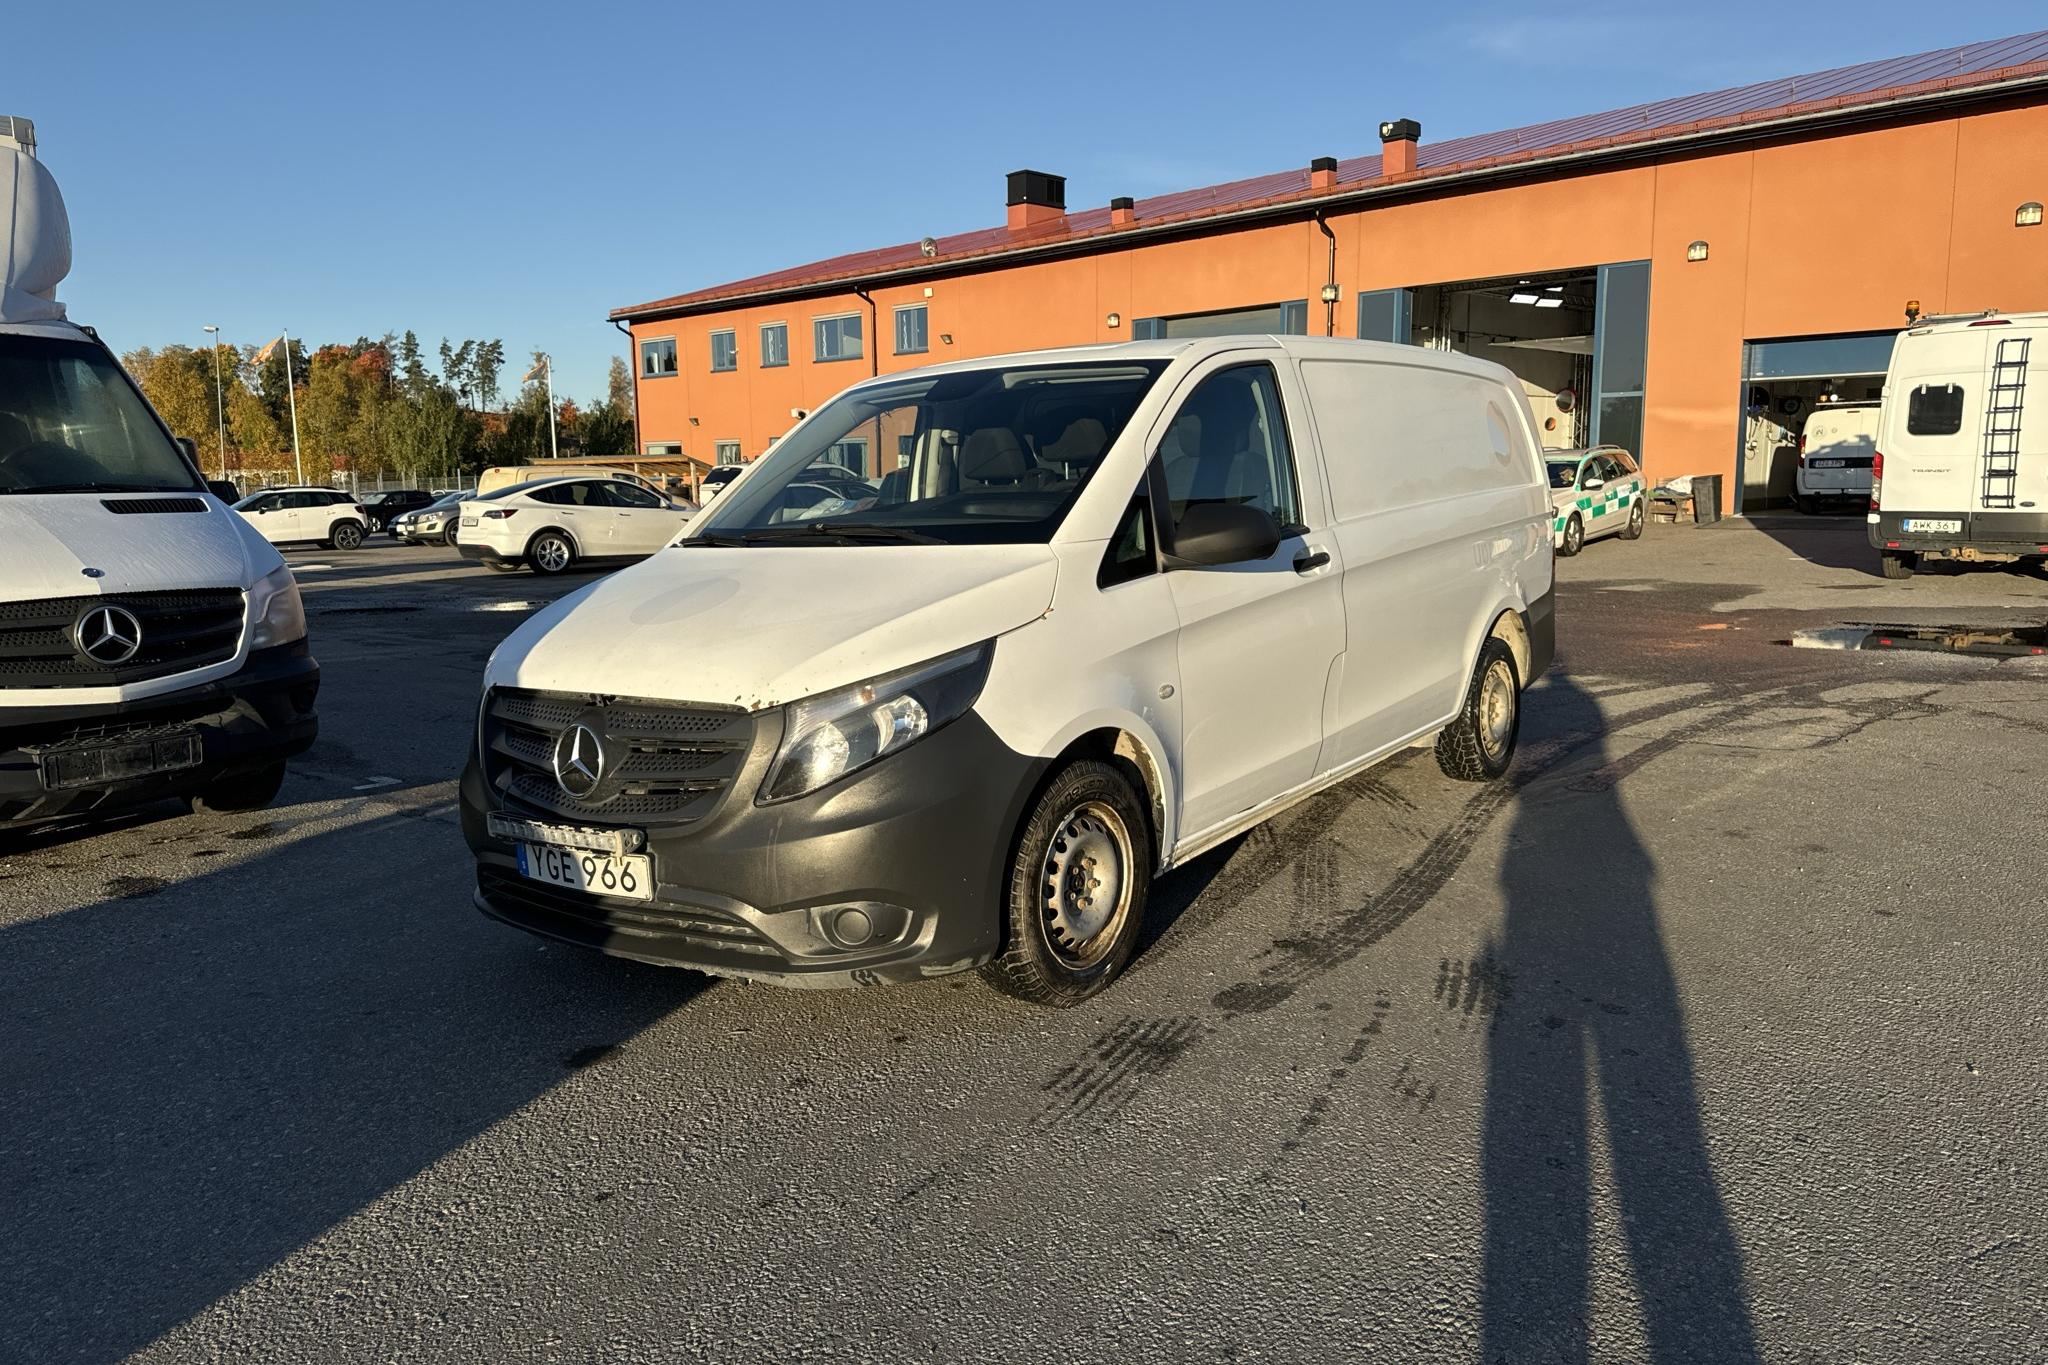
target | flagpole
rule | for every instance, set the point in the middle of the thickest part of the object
(292, 397)
(554, 451)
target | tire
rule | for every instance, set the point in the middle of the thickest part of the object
(1637, 515)
(1898, 563)
(1059, 946)
(448, 534)
(1574, 538)
(243, 791)
(1480, 743)
(1805, 505)
(550, 553)
(345, 535)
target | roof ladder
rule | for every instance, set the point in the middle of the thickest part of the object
(2002, 422)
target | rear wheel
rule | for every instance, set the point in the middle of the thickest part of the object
(1898, 563)
(1574, 537)
(1636, 516)
(1076, 892)
(1806, 506)
(345, 535)
(243, 791)
(1479, 744)
(550, 553)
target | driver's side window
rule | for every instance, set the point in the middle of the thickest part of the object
(1228, 444)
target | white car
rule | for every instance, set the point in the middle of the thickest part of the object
(285, 516)
(1594, 491)
(554, 524)
(1112, 607)
(1836, 451)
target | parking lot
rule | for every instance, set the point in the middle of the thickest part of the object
(1713, 1033)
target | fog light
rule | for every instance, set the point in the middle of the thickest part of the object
(851, 928)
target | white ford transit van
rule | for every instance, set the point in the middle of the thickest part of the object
(151, 643)
(1111, 607)
(1961, 468)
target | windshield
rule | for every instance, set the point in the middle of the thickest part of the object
(972, 457)
(1563, 473)
(70, 422)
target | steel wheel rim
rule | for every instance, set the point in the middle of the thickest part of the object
(1635, 517)
(552, 553)
(1574, 534)
(1496, 708)
(1084, 885)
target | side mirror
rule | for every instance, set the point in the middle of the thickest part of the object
(1217, 533)
(191, 449)
(1591, 484)
(223, 490)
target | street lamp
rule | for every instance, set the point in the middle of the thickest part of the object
(220, 411)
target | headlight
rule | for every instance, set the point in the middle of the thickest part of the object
(278, 615)
(826, 737)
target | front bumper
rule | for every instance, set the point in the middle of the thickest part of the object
(254, 717)
(919, 843)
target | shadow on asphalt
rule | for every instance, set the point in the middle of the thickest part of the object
(178, 1120)
(1833, 540)
(1604, 1025)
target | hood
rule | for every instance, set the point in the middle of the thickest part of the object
(765, 625)
(53, 538)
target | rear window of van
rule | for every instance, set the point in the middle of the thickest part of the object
(1935, 410)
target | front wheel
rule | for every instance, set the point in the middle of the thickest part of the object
(448, 536)
(243, 791)
(1478, 745)
(550, 553)
(1634, 529)
(1898, 563)
(345, 535)
(1076, 893)
(1574, 537)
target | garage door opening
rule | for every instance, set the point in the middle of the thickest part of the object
(1783, 382)
(1575, 338)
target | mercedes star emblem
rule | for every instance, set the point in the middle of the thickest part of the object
(579, 760)
(108, 635)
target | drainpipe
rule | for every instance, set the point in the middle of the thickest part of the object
(632, 368)
(874, 331)
(1330, 279)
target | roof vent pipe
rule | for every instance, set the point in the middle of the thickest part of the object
(1123, 211)
(1322, 174)
(1035, 198)
(1397, 151)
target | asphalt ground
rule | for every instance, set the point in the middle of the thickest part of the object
(1715, 1032)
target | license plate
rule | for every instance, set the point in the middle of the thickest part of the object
(629, 876)
(1931, 525)
(1824, 464)
(99, 763)
(469, 521)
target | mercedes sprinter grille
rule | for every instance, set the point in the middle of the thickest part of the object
(636, 762)
(70, 642)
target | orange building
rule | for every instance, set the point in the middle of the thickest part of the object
(1686, 278)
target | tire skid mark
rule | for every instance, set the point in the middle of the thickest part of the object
(1115, 1067)
(1320, 1103)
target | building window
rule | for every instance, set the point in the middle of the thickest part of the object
(1148, 329)
(848, 455)
(774, 344)
(912, 338)
(836, 338)
(726, 452)
(1935, 410)
(671, 448)
(658, 358)
(906, 450)
(725, 350)
(1289, 318)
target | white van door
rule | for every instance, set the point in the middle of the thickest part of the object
(1932, 427)
(1257, 640)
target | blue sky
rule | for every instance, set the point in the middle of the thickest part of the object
(516, 171)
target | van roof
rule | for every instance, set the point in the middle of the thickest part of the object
(1988, 319)
(1201, 348)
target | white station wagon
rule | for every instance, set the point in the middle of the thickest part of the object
(1594, 491)
(1113, 606)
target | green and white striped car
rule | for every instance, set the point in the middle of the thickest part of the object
(1594, 491)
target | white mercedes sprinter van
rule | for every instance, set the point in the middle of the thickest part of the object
(1961, 468)
(1105, 609)
(152, 644)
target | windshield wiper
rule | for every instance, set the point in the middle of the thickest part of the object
(721, 539)
(843, 530)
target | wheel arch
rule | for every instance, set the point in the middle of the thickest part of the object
(526, 550)
(1124, 747)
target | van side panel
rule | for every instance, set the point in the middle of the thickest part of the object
(1439, 515)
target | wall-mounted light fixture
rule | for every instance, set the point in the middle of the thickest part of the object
(2027, 214)
(1114, 320)
(693, 421)
(1696, 251)
(1329, 293)
(945, 338)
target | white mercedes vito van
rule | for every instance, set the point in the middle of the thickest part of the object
(152, 644)
(1106, 608)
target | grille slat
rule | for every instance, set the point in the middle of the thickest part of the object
(181, 631)
(666, 764)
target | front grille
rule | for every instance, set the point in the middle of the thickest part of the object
(181, 631)
(132, 507)
(664, 763)
(607, 922)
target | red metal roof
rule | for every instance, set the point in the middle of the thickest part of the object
(1842, 89)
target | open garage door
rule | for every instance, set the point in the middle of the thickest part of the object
(1783, 380)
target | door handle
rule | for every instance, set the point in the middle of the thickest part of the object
(1307, 562)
